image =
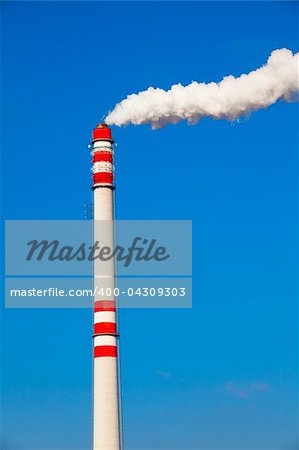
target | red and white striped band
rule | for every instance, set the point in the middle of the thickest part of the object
(105, 331)
(102, 163)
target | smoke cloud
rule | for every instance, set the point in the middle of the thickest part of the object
(231, 98)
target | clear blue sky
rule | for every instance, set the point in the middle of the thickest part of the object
(223, 374)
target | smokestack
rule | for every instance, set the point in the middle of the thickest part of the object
(106, 417)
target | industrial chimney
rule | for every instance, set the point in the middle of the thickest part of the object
(106, 417)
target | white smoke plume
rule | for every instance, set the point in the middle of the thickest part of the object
(231, 98)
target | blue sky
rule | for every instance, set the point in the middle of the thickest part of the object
(223, 374)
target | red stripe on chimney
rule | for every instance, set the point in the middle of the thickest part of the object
(105, 327)
(103, 177)
(104, 305)
(102, 156)
(105, 350)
